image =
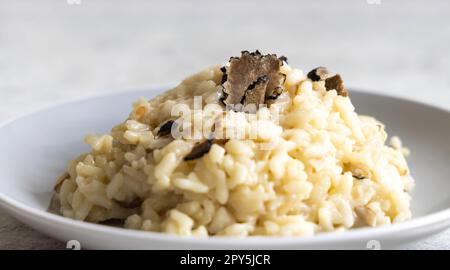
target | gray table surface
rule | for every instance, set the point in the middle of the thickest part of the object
(57, 50)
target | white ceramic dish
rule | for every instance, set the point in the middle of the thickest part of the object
(34, 150)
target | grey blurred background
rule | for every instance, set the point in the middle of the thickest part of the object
(57, 50)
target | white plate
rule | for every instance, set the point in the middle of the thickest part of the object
(35, 149)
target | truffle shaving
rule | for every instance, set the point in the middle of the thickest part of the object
(224, 75)
(199, 150)
(166, 128)
(337, 84)
(318, 74)
(252, 78)
(283, 59)
(256, 92)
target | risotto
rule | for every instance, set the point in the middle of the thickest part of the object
(254, 147)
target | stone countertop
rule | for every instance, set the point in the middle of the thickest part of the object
(58, 50)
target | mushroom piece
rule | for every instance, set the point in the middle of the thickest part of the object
(337, 84)
(318, 74)
(251, 79)
(166, 128)
(331, 83)
(199, 150)
(365, 217)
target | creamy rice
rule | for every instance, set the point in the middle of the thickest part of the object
(307, 164)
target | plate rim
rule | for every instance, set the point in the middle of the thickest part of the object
(13, 206)
(376, 233)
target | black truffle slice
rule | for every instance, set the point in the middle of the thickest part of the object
(256, 91)
(358, 176)
(318, 74)
(283, 59)
(224, 75)
(165, 128)
(337, 84)
(248, 70)
(275, 94)
(199, 150)
(277, 91)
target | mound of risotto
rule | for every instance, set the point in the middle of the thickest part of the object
(254, 147)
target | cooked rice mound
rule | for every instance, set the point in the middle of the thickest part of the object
(308, 163)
